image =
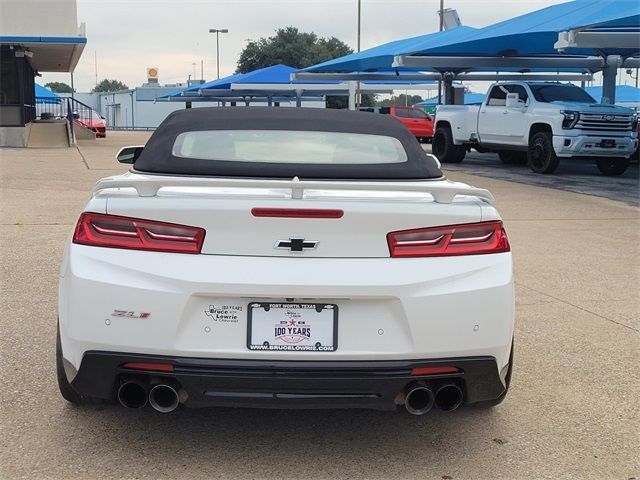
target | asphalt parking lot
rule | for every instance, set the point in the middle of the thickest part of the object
(573, 175)
(572, 412)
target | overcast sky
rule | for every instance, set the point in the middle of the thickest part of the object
(130, 35)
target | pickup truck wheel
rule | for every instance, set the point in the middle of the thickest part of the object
(511, 157)
(444, 149)
(612, 166)
(541, 155)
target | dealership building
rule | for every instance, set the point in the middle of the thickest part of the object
(35, 37)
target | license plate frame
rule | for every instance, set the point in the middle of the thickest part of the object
(328, 310)
(607, 143)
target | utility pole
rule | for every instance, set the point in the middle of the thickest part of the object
(441, 28)
(194, 69)
(218, 31)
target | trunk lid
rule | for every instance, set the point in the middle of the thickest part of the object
(232, 229)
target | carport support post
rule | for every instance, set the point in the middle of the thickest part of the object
(352, 95)
(448, 88)
(609, 72)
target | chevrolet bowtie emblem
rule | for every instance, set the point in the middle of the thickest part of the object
(296, 244)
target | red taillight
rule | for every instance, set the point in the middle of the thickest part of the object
(99, 230)
(296, 213)
(156, 367)
(432, 370)
(465, 239)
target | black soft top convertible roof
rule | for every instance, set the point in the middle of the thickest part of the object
(157, 156)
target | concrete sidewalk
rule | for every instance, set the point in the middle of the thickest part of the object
(572, 412)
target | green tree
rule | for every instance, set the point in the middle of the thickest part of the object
(290, 47)
(59, 87)
(401, 99)
(108, 85)
(297, 49)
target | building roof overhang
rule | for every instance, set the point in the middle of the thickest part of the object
(49, 54)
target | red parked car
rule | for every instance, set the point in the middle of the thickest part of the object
(416, 120)
(92, 121)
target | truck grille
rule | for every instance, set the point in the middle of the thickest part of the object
(610, 123)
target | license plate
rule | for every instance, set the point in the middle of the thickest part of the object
(308, 327)
(607, 143)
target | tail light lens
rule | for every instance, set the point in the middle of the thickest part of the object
(465, 239)
(99, 230)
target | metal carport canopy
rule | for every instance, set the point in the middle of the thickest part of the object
(380, 58)
(535, 33)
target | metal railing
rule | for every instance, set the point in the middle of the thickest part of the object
(69, 108)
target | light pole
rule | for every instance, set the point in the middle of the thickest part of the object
(218, 31)
(441, 28)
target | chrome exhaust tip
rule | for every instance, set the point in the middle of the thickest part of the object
(132, 394)
(418, 400)
(164, 398)
(448, 397)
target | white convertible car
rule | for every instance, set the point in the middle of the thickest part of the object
(290, 258)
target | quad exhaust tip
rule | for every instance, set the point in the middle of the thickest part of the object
(448, 397)
(164, 398)
(132, 394)
(419, 400)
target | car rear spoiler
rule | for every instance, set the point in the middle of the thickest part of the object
(442, 191)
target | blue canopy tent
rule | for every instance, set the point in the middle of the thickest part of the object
(44, 95)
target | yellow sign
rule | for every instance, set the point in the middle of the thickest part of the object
(152, 72)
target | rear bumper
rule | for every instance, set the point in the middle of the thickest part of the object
(389, 309)
(588, 146)
(289, 384)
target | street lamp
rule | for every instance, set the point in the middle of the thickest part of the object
(218, 31)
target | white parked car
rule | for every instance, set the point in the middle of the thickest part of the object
(285, 257)
(538, 123)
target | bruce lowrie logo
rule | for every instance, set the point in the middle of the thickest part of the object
(293, 329)
(224, 313)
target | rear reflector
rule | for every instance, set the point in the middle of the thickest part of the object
(100, 230)
(296, 213)
(156, 367)
(465, 239)
(433, 370)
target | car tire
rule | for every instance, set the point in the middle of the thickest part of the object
(66, 390)
(444, 149)
(512, 157)
(541, 156)
(507, 382)
(613, 166)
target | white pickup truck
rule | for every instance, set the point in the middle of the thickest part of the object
(538, 123)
